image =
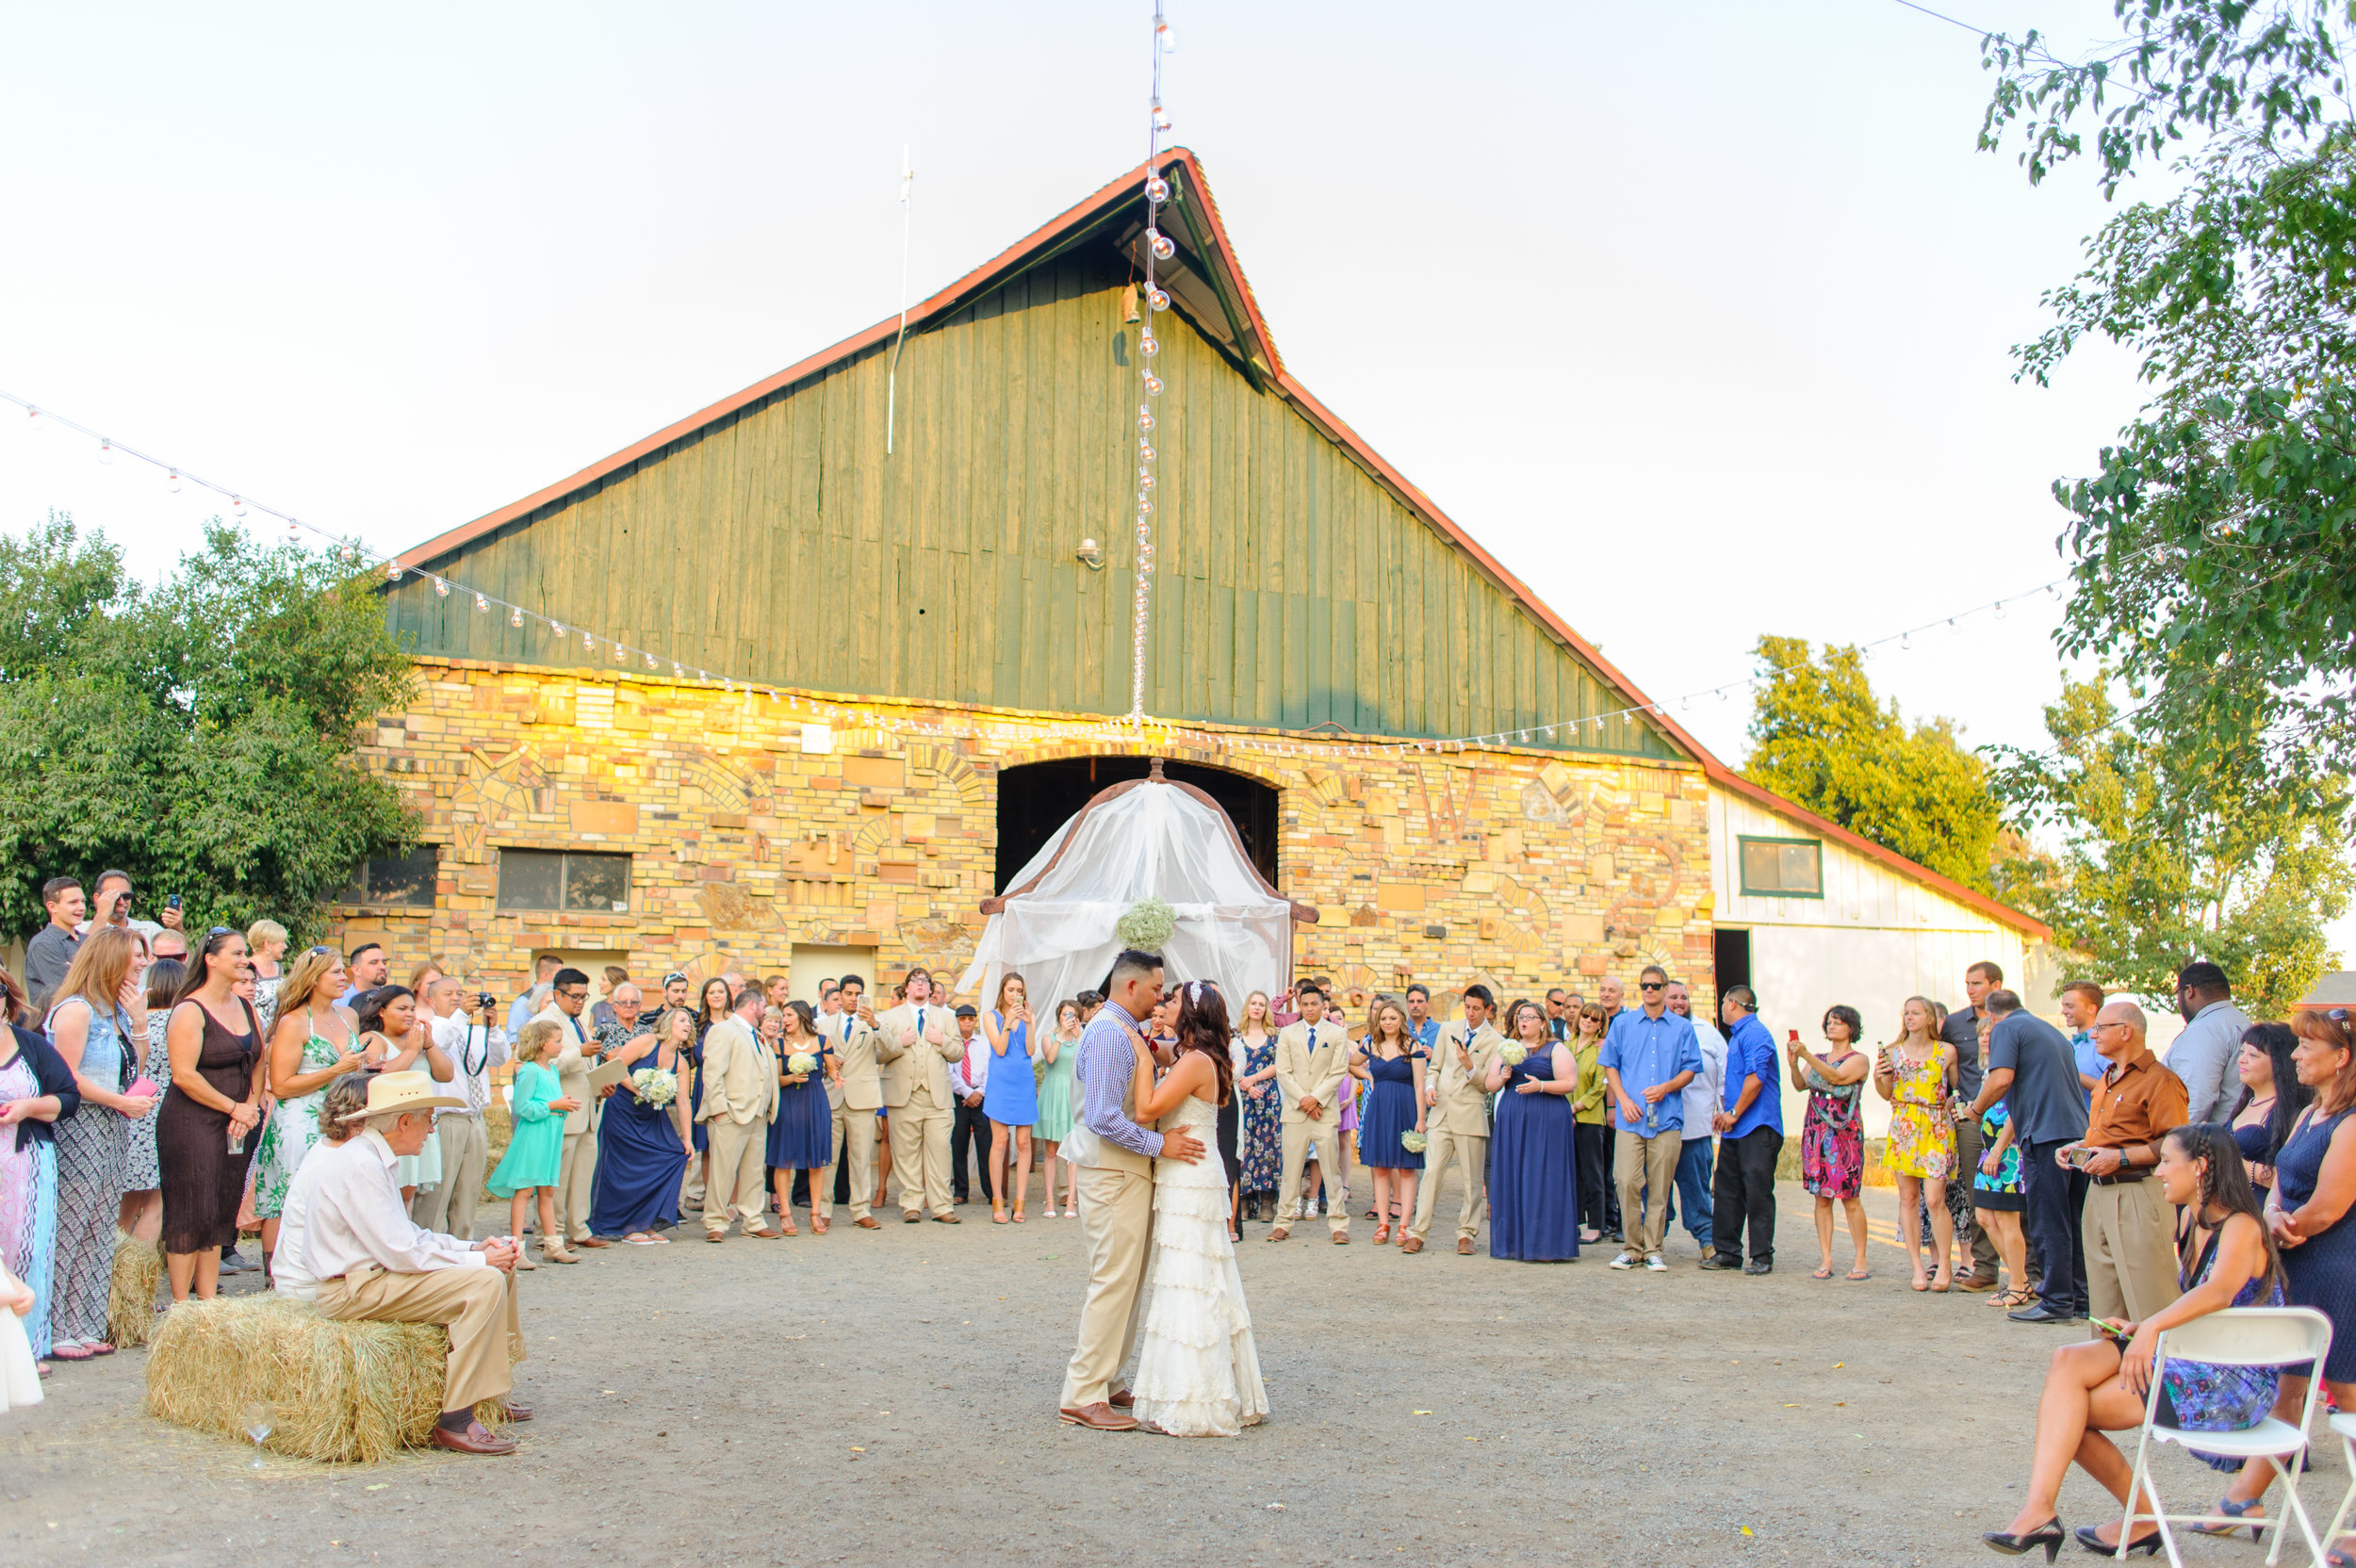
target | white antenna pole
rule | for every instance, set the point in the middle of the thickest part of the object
(892, 397)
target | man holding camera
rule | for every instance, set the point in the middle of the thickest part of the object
(475, 1044)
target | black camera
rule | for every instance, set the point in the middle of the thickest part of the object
(484, 999)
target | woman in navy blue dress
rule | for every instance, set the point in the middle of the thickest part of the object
(1534, 1176)
(1395, 1063)
(801, 1135)
(642, 1149)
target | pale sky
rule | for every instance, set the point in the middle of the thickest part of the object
(1698, 318)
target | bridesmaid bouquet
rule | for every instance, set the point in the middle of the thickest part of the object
(1514, 1053)
(1415, 1142)
(801, 1062)
(654, 1086)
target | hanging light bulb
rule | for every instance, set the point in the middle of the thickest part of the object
(587, 641)
(1161, 244)
(676, 674)
(481, 605)
(441, 588)
(1149, 345)
(105, 451)
(556, 628)
(1161, 116)
(1158, 298)
(1156, 189)
(237, 505)
(392, 571)
(1145, 506)
(618, 651)
(1953, 630)
(515, 617)
(1168, 37)
(650, 660)
(1153, 385)
(294, 529)
(1145, 418)
(1999, 610)
(1145, 479)
(171, 485)
(1145, 452)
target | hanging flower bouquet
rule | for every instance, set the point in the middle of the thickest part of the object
(1146, 925)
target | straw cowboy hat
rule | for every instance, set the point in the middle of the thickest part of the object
(391, 1092)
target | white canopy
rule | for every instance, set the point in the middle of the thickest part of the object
(1153, 839)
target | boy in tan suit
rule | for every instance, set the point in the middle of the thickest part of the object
(1312, 1057)
(916, 1042)
(739, 1100)
(853, 1099)
(1459, 1121)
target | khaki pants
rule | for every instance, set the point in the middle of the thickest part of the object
(576, 1185)
(2131, 1256)
(1643, 1163)
(920, 1157)
(466, 1154)
(1463, 1148)
(474, 1304)
(854, 1134)
(1326, 1138)
(1117, 1219)
(739, 1150)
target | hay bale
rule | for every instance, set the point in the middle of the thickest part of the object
(342, 1393)
(131, 1296)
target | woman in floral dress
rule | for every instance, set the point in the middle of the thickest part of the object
(1260, 1147)
(313, 1043)
(1832, 1138)
(1917, 1075)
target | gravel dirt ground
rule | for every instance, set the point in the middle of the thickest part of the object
(888, 1398)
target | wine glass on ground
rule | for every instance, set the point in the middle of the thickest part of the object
(259, 1420)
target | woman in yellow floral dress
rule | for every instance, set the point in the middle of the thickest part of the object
(1917, 1075)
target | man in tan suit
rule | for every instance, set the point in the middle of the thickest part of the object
(576, 1168)
(916, 1042)
(740, 1102)
(1459, 1119)
(1116, 1165)
(854, 1097)
(1312, 1058)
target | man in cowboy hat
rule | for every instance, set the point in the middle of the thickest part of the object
(373, 1264)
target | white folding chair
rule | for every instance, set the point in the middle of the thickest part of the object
(2344, 1426)
(2237, 1336)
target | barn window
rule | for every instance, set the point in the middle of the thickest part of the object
(552, 880)
(1783, 868)
(396, 881)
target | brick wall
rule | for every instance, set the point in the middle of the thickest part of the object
(1518, 867)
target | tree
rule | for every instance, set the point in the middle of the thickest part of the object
(2172, 853)
(1820, 739)
(197, 733)
(2214, 555)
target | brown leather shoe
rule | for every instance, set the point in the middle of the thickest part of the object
(1412, 1244)
(475, 1438)
(947, 1219)
(510, 1410)
(1976, 1282)
(1341, 1238)
(591, 1241)
(1123, 1400)
(766, 1235)
(867, 1222)
(1279, 1234)
(1464, 1247)
(910, 1216)
(1097, 1417)
(715, 1236)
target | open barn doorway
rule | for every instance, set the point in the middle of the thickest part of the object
(1039, 797)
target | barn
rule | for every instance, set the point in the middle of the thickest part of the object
(796, 682)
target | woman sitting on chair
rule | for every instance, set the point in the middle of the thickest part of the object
(2225, 1259)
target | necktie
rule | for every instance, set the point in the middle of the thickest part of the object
(1312, 1037)
(920, 1023)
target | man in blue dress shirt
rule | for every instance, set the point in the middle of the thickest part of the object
(1647, 1059)
(1750, 1136)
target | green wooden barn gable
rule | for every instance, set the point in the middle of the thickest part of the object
(773, 540)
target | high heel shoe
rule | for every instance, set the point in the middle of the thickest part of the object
(2090, 1536)
(2231, 1509)
(2048, 1535)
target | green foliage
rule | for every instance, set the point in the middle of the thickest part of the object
(2172, 853)
(196, 733)
(2214, 552)
(1819, 739)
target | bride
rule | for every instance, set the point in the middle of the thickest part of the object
(1198, 1375)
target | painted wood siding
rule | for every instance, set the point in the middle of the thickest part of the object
(781, 546)
(1859, 892)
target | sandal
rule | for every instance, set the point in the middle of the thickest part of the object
(1824, 1273)
(997, 1216)
(1382, 1233)
(1860, 1272)
(1017, 1216)
(2232, 1510)
(785, 1225)
(2011, 1299)
(73, 1350)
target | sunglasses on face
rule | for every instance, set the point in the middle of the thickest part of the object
(1650, 986)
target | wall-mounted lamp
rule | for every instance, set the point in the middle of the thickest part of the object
(1090, 554)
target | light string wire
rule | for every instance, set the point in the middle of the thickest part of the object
(1158, 248)
(1125, 730)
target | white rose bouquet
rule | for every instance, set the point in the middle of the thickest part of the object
(1514, 1053)
(654, 1086)
(1415, 1142)
(801, 1062)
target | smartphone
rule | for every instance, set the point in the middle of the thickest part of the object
(172, 903)
(2114, 1330)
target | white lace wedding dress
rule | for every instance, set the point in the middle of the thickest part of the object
(1198, 1375)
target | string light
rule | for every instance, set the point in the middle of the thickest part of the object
(481, 605)
(441, 588)
(515, 617)
(106, 452)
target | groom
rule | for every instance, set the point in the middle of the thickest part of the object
(1117, 1188)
